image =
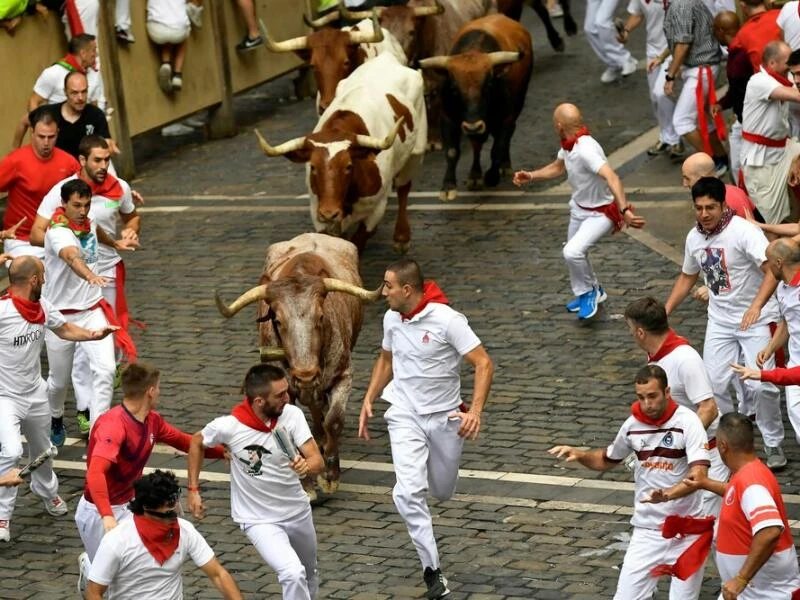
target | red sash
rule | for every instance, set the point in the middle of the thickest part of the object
(121, 304)
(694, 557)
(702, 121)
(160, 539)
(763, 141)
(245, 414)
(73, 18)
(612, 213)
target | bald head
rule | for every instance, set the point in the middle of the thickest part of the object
(726, 25)
(784, 249)
(696, 166)
(776, 55)
(567, 117)
(22, 268)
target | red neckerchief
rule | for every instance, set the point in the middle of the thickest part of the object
(694, 557)
(245, 414)
(636, 411)
(160, 539)
(795, 280)
(70, 63)
(60, 219)
(111, 188)
(778, 77)
(430, 293)
(31, 311)
(672, 341)
(727, 215)
(568, 143)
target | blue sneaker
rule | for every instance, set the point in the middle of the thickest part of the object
(58, 435)
(588, 307)
(601, 294)
(574, 305)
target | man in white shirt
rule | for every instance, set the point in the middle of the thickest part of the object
(767, 150)
(142, 558)
(111, 202)
(24, 316)
(597, 206)
(730, 252)
(73, 287)
(789, 22)
(272, 450)
(670, 445)
(81, 56)
(418, 373)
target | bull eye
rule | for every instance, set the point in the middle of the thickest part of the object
(346, 62)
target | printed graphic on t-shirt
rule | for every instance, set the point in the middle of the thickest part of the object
(667, 440)
(88, 249)
(89, 129)
(252, 459)
(716, 270)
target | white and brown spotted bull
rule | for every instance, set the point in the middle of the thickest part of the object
(371, 137)
(309, 313)
(334, 54)
(487, 75)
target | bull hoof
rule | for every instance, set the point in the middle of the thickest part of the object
(506, 170)
(401, 247)
(570, 26)
(558, 44)
(310, 490)
(475, 184)
(433, 146)
(448, 195)
(327, 487)
(491, 178)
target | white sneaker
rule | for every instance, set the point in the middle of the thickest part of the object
(5, 531)
(630, 67)
(55, 507)
(84, 564)
(194, 122)
(195, 14)
(165, 77)
(176, 129)
(610, 75)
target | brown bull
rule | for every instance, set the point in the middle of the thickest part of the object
(309, 313)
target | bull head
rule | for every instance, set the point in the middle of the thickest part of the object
(495, 59)
(322, 21)
(302, 43)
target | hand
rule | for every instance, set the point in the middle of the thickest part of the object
(715, 110)
(568, 453)
(42, 10)
(632, 220)
(108, 524)
(299, 465)
(226, 453)
(522, 177)
(696, 482)
(470, 423)
(126, 244)
(96, 280)
(763, 356)
(701, 294)
(655, 497)
(732, 588)
(11, 478)
(654, 63)
(196, 506)
(669, 88)
(99, 334)
(129, 234)
(138, 199)
(746, 373)
(794, 172)
(750, 317)
(11, 232)
(622, 36)
(112, 146)
(4, 258)
(363, 420)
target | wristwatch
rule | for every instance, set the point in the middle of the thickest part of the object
(669, 77)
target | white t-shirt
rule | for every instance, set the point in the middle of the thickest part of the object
(763, 116)
(653, 13)
(731, 264)
(104, 212)
(171, 13)
(664, 455)
(586, 158)
(789, 303)
(426, 358)
(688, 380)
(50, 84)
(21, 348)
(63, 288)
(124, 564)
(789, 22)
(264, 489)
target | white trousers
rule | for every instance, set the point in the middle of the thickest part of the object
(663, 105)
(685, 117)
(90, 523)
(648, 549)
(31, 417)
(793, 404)
(724, 344)
(81, 369)
(768, 185)
(290, 549)
(426, 451)
(22, 248)
(735, 151)
(102, 366)
(602, 35)
(586, 227)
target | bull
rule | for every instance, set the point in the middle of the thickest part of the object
(309, 314)
(487, 75)
(372, 136)
(334, 54)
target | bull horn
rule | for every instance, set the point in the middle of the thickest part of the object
(368, 141)
(298, 43)
(357, 15)
(364, 37)
(271, 353)
(337, 285)
(252, 295)
(434, 62)
(429, 11)
(322, 21)
(503, 58)
(282, 149)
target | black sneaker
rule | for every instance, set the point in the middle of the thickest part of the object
(58, 435)
(249, 43)
(437, 584)
(658, 148)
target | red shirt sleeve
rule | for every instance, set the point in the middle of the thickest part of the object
(97, 485)
(179, 440)
(782, 376)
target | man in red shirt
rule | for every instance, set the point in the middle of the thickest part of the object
(120, 445)
(759, 29)
(27, 174)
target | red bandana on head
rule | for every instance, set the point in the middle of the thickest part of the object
(672, 341)
(430, 293)
(245, 414)
(160, 539)
(31, 311)
(568, 143)
(636, 411)
(60, 219)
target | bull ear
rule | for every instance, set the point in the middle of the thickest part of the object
(303, 155)
(267, 317)
(304, 54)
(362, 153)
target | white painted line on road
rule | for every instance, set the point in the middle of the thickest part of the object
(656, 244)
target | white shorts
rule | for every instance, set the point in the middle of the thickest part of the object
(164, 34)
(90, 523)
(684, 119)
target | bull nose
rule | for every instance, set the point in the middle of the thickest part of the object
(327, 216)
(306, 376)
(473, 127)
